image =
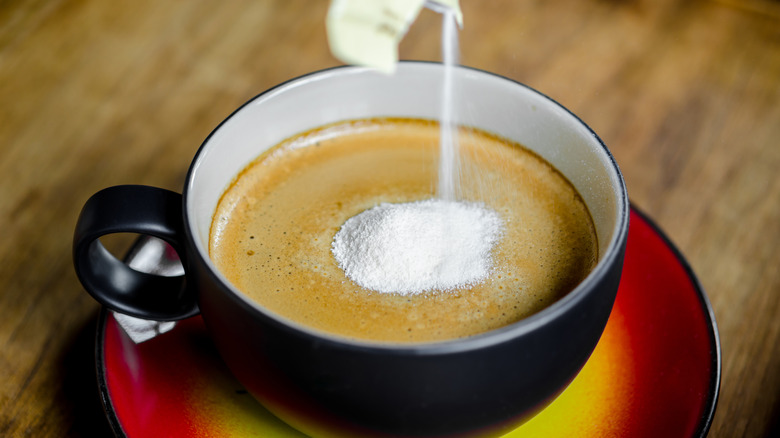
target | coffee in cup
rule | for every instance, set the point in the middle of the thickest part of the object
(275, 225)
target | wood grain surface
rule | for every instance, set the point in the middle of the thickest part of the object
(686, 93)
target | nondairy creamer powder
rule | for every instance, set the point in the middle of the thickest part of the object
(413, 247)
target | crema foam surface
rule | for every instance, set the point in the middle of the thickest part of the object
(273, 229)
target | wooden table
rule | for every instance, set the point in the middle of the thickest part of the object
(93, 93)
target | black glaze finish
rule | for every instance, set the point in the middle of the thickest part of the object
(132, 209)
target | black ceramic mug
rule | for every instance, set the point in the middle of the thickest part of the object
(324, 385)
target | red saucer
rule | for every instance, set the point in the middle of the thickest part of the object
(655, 372)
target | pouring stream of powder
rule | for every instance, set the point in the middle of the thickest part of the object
(419, 246)
(439, 244)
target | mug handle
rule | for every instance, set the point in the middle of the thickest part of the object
(133, 209)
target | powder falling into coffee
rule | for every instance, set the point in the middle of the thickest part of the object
(437, 244)
(449, 160)
(419, 246)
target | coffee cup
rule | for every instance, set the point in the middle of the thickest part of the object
(327, 385)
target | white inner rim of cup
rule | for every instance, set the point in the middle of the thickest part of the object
(486, 101)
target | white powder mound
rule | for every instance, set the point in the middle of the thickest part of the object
(419, 246)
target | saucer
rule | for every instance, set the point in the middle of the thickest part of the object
(655, 372)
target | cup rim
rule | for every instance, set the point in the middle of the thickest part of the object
(449, 346)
